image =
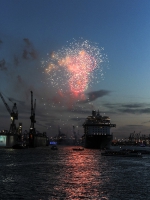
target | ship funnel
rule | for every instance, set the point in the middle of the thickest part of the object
(93, 113)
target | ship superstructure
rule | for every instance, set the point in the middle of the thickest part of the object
(97, 131)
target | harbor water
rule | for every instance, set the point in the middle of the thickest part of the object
(45, 174)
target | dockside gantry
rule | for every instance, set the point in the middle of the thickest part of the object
(13, 114)
(32, 117)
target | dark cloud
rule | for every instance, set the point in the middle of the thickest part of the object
(131, 108)
(111, 105)
(33, 54)
(131, 111)
(135, 111)
(29, 54)
(16, 60)
(17, 54)
(96, 94)
(144, 111)
(27, 41)
(3, 65)
(92, 96)
(29, 51)
(25, 54)
(134, 105)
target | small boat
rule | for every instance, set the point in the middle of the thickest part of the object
(78, 149)
(54, 147)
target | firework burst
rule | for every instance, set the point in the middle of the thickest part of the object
(71, 68)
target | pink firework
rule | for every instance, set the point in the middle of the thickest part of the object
(72, 67)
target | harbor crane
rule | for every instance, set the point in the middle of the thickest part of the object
(33, 121)
(32, 117)
(13, 114)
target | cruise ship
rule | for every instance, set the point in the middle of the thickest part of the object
(97, 133)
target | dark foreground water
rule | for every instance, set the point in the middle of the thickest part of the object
(43, 174)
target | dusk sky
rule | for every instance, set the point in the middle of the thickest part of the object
(76, 56)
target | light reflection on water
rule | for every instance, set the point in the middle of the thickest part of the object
(80, 175)
(66, 174)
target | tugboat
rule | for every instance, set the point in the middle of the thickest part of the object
(97, 133)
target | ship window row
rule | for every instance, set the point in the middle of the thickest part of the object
(98, 134)
(94, 128)
(89, 132)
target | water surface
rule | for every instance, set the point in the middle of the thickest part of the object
(43, 174)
